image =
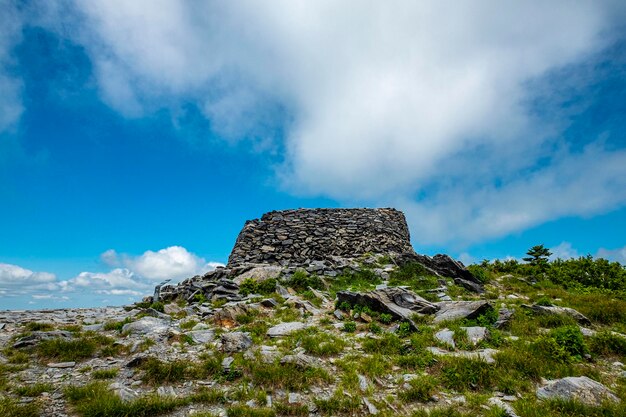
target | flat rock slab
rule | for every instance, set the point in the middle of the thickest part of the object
(446, 336)
(236, 341)
(62, 365)
(283, 329)
(147, 325)
(301, 361)
(259, 273)
(201, 336)
(580, 388)
(401, 303)
(482, 354)
(453, 310)
(476, 334)
(555, 310)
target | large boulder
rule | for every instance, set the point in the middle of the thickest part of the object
(147, 326)
(445, 266)
(580, 388)
(259, 273)
(453, 310)
(399, 302)
(555, 310)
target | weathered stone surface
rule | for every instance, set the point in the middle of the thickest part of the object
(227, 315)
(476, 334)
(147, 325)
(201, 336)
(259, 273)
(301, 360)
(236, 341)
(61, 365)
(504, 317)
(554, 310)
(399, 302)
(443, 265)
(446, 336)
(452, 310)
(579, 388)
(284, 329)
(481, 354)
(294, 237)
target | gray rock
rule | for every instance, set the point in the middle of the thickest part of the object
(269, 303)
(452, 310)
(147, 326)
(227, 362)
(201, 336)
(236, 341)
(443, 265)
(476, 334)
(94, 327)
(481, 354)
(508, 410)
(580, 388)
(260, 273)
(284, 329)
(401, 303)
(554, 310)
(363, 383)
(62, 365)
(125, 393)
(446, 336)
(166, 391)
(504, 317)
(2, 325)
(371, 408)
(301, 361)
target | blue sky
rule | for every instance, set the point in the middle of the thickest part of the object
(137, 137)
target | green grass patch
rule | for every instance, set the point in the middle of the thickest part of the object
(420, 389)
(105, 373)
(338, 404)
(35, 326)
(11, 408)
(33, 390)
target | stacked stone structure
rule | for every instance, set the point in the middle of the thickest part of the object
(298, 237)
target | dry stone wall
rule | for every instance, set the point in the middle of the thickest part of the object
(298, 237)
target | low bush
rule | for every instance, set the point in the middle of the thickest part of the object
(104, 373)
(33, 390)
(388, 344)
(420, 389)
(463, 374)
(338, 405)
(607, 344)
(252, 286)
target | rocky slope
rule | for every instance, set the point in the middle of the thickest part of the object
(377, 339)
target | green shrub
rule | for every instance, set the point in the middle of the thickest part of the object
(105, 373)
(385, 318)
(158, 306)
(322, 344)
(349, 327)
(463, 374)
(570, 339)
(388, 343)
(404, 329)
(67, 350)
(157, 372)
(301, 281)
(34, 326)
(480, 273)
(420, 389)
(607, 343)
(252, 286)
(284, 376)
(338, 405)
(116, 325)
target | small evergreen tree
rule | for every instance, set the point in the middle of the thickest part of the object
(538, 256)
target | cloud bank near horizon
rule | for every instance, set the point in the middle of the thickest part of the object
(427, 106)
(131, 276)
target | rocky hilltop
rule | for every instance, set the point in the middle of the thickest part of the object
(331, 313)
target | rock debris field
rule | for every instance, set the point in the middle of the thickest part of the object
(384, 332)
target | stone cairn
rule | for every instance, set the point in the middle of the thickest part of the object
(325, 242)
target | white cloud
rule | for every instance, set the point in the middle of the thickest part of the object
(11, 106)
(15, 280)
(384, 101)
(174, 262)
(618, 255)
(563, 250)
